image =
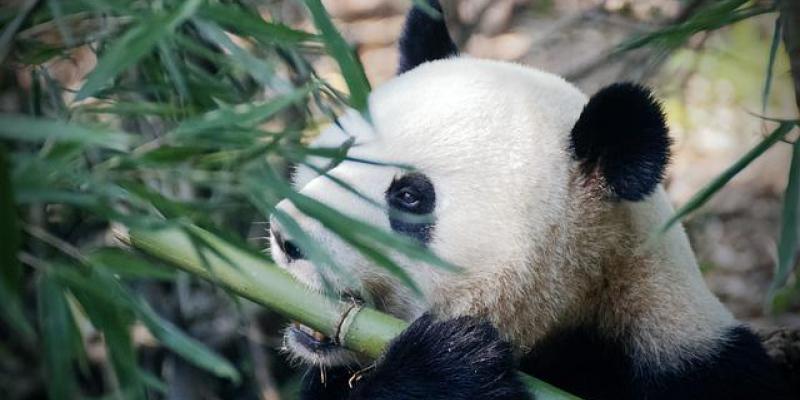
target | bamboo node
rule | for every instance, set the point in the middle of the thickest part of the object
(343, 327)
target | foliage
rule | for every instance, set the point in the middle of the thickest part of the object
(189, 118)
(711, 17)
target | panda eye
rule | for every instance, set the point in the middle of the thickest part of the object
(412, 199)
(408, 198)
(412, 193)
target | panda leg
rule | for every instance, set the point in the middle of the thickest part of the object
(462, 358)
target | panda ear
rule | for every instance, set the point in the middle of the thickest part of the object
(425, 38)
(621, 135)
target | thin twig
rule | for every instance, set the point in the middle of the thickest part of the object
(611, 54)
(54, 241)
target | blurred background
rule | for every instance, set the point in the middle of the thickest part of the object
(717, 80)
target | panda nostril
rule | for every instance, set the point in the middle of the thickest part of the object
(287, 247)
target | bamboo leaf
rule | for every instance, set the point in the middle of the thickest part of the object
(257, 68)
(11, 270)
(265, 200)
(773, 51)
(18, 127)
(105, 314)
(98, 286)
(171, 64)
(187, 347)
(153, 382)
(133, 45)
(702, 196)
(425, 6)
(120, 263)
(713, 16)
(247, 22)
(55, 322)
(352, 70)
(242, 116)
(790, 226)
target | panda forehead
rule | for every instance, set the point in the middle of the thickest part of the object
(463, 117)
(476, 101)
(466, 110)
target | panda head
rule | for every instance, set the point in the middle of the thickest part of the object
(509, 171)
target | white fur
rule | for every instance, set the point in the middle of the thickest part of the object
(538, 245)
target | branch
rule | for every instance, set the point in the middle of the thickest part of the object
(249, 275)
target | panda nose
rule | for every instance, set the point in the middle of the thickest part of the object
(287, 246)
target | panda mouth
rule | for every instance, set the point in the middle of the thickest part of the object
(313, 340)
(315, 347)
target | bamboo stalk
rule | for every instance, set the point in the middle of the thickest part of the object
(247, 275)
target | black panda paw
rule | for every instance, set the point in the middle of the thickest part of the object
(326, 383)
(462, 358)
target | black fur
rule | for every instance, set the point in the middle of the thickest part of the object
(622, 134)
(424, 38)
(411, 200)
(335, 387)
(593, 367)
(457, 359)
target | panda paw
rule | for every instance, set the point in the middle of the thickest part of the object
(462, 358)
(326, 383)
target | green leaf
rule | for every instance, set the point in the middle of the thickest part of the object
(543, 390)
(133, 45)
(265, 199)
(185, 346)
(153, 382)
(174, 71)
(104, 311)
(425, 6)
(260, 70)
(242, 116)
(18, 127)
(352, 70)
(247, 22)
(56, 325)
(139, 108)
(713, 16)
(773, 51)
(11, 270)
(790, 225)
(170, 155)
(105, 289)
(702, 196)
(124, 265)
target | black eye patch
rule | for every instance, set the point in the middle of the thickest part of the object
(411, 199)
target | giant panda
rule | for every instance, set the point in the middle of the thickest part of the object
(547, 199)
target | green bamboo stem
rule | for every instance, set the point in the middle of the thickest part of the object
(247, 275)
